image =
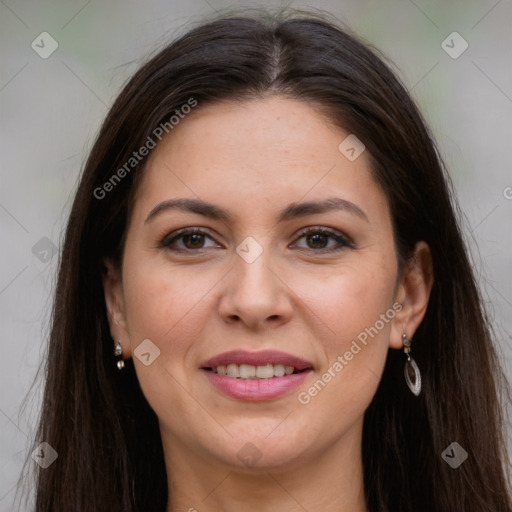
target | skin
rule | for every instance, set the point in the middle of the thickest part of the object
(254, 159)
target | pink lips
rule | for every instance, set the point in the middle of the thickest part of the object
(256, 389)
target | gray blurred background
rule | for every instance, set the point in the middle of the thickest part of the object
(52, 104)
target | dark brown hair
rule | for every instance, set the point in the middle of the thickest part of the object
(97, 419)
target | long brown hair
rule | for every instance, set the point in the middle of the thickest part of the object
(98, 420)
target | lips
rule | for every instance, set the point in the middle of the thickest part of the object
(256, 376)
(262, 358)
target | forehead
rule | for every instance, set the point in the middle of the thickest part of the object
(256, 153)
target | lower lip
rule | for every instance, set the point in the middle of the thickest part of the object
(256, 389)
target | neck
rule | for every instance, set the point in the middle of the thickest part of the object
(331, 481)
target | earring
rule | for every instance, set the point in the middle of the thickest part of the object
(118, 351)
(411, 370)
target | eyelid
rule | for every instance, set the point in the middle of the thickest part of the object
(323, 229)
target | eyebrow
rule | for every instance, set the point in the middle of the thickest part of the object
(292, 211)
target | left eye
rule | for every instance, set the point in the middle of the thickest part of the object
(323, 240)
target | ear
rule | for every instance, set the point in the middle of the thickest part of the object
(413, 293)
(114, 301)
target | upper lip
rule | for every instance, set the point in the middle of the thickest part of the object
(260, 358)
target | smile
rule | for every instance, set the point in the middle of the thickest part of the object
(255, 376)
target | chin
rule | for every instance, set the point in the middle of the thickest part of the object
(261, 451)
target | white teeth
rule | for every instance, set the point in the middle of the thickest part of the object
(233, 370)
(279, 370)
(249, 371)
(265, 372)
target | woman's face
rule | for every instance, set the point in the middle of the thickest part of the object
(292, 253)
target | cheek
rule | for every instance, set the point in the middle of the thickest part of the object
(166, 305)
(355, 309)
(169, 306)
(349, 300)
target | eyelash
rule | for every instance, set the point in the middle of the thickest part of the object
(343, 241)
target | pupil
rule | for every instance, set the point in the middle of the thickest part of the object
(194, 241)
(318, 240)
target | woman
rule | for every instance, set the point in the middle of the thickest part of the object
(264, 300)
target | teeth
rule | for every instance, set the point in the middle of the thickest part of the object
(279, 370)
(249, 371)
(263, 372)
(233, 370)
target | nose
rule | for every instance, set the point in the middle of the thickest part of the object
(255, 295)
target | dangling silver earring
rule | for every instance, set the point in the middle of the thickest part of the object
(118, 351)
(411, 370)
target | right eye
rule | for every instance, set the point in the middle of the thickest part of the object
(187, 240)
